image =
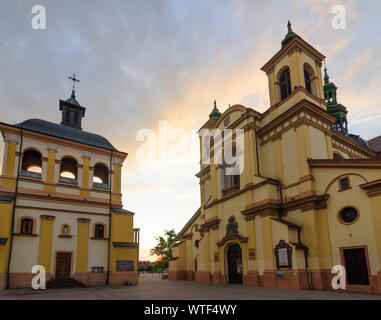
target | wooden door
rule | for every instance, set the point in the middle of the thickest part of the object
(63, 265)
(234, 257)
(356, 266)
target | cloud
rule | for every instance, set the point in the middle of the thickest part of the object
(147, 189)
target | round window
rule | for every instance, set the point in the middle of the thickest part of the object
(348, 215)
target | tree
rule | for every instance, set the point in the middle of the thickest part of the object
(163, 249)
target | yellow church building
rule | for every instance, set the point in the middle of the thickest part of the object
(61, 205)
(308, 199)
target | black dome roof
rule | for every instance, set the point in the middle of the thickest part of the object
(66, 132)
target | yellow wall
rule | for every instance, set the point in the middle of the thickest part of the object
(45, 242)
(122, 231)
(5, 232)
(82, 246)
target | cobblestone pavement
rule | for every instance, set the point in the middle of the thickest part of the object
(179, 290)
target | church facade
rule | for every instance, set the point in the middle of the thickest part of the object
(308, 199)
(61, 205)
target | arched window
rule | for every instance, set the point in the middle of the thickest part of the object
(230, 175)
(310, 79)
(65, 230)
(307, 80)
(285, 84)
(99, 231)
(68, 170)
(100, 178)
(26, 226)
(31, 163)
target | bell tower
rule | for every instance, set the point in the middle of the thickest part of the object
(294, 72)
(72, 111)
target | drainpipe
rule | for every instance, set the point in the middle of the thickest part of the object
(109, 221)
(307, 269)
(14, 207)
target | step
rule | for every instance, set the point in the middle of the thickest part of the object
(64, 283)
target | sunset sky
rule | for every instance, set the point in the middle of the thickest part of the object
(141, 62)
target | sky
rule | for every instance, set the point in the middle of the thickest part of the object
(146, 63)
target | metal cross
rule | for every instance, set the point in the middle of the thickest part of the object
(74, 80)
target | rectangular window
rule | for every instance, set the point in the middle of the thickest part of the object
(344, 184)
(97, 269)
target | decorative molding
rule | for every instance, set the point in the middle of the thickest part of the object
(311, 202)
(373, 188)
(344, 163)
(270, 208)
(47, 217)
(210, 223)
(228, 238)
(241, 191)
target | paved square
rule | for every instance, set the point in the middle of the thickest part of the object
(157, 289)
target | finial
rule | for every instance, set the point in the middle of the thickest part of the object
(289, 26)
(290, 34)
(74, 81)
(326, 77)
(215, 114)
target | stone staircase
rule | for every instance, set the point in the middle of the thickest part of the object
(64, 283)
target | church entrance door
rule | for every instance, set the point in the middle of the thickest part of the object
(63, 265)
(356, 266)
(234, 259)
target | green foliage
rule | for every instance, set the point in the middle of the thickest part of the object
(163, 249)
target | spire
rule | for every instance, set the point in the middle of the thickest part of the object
(326, 77)
(329, 89)
(333, 107)
(215, 114)
(290, 34)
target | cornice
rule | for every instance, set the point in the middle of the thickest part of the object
(297, 43)
(344, 163)
(297, 109)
